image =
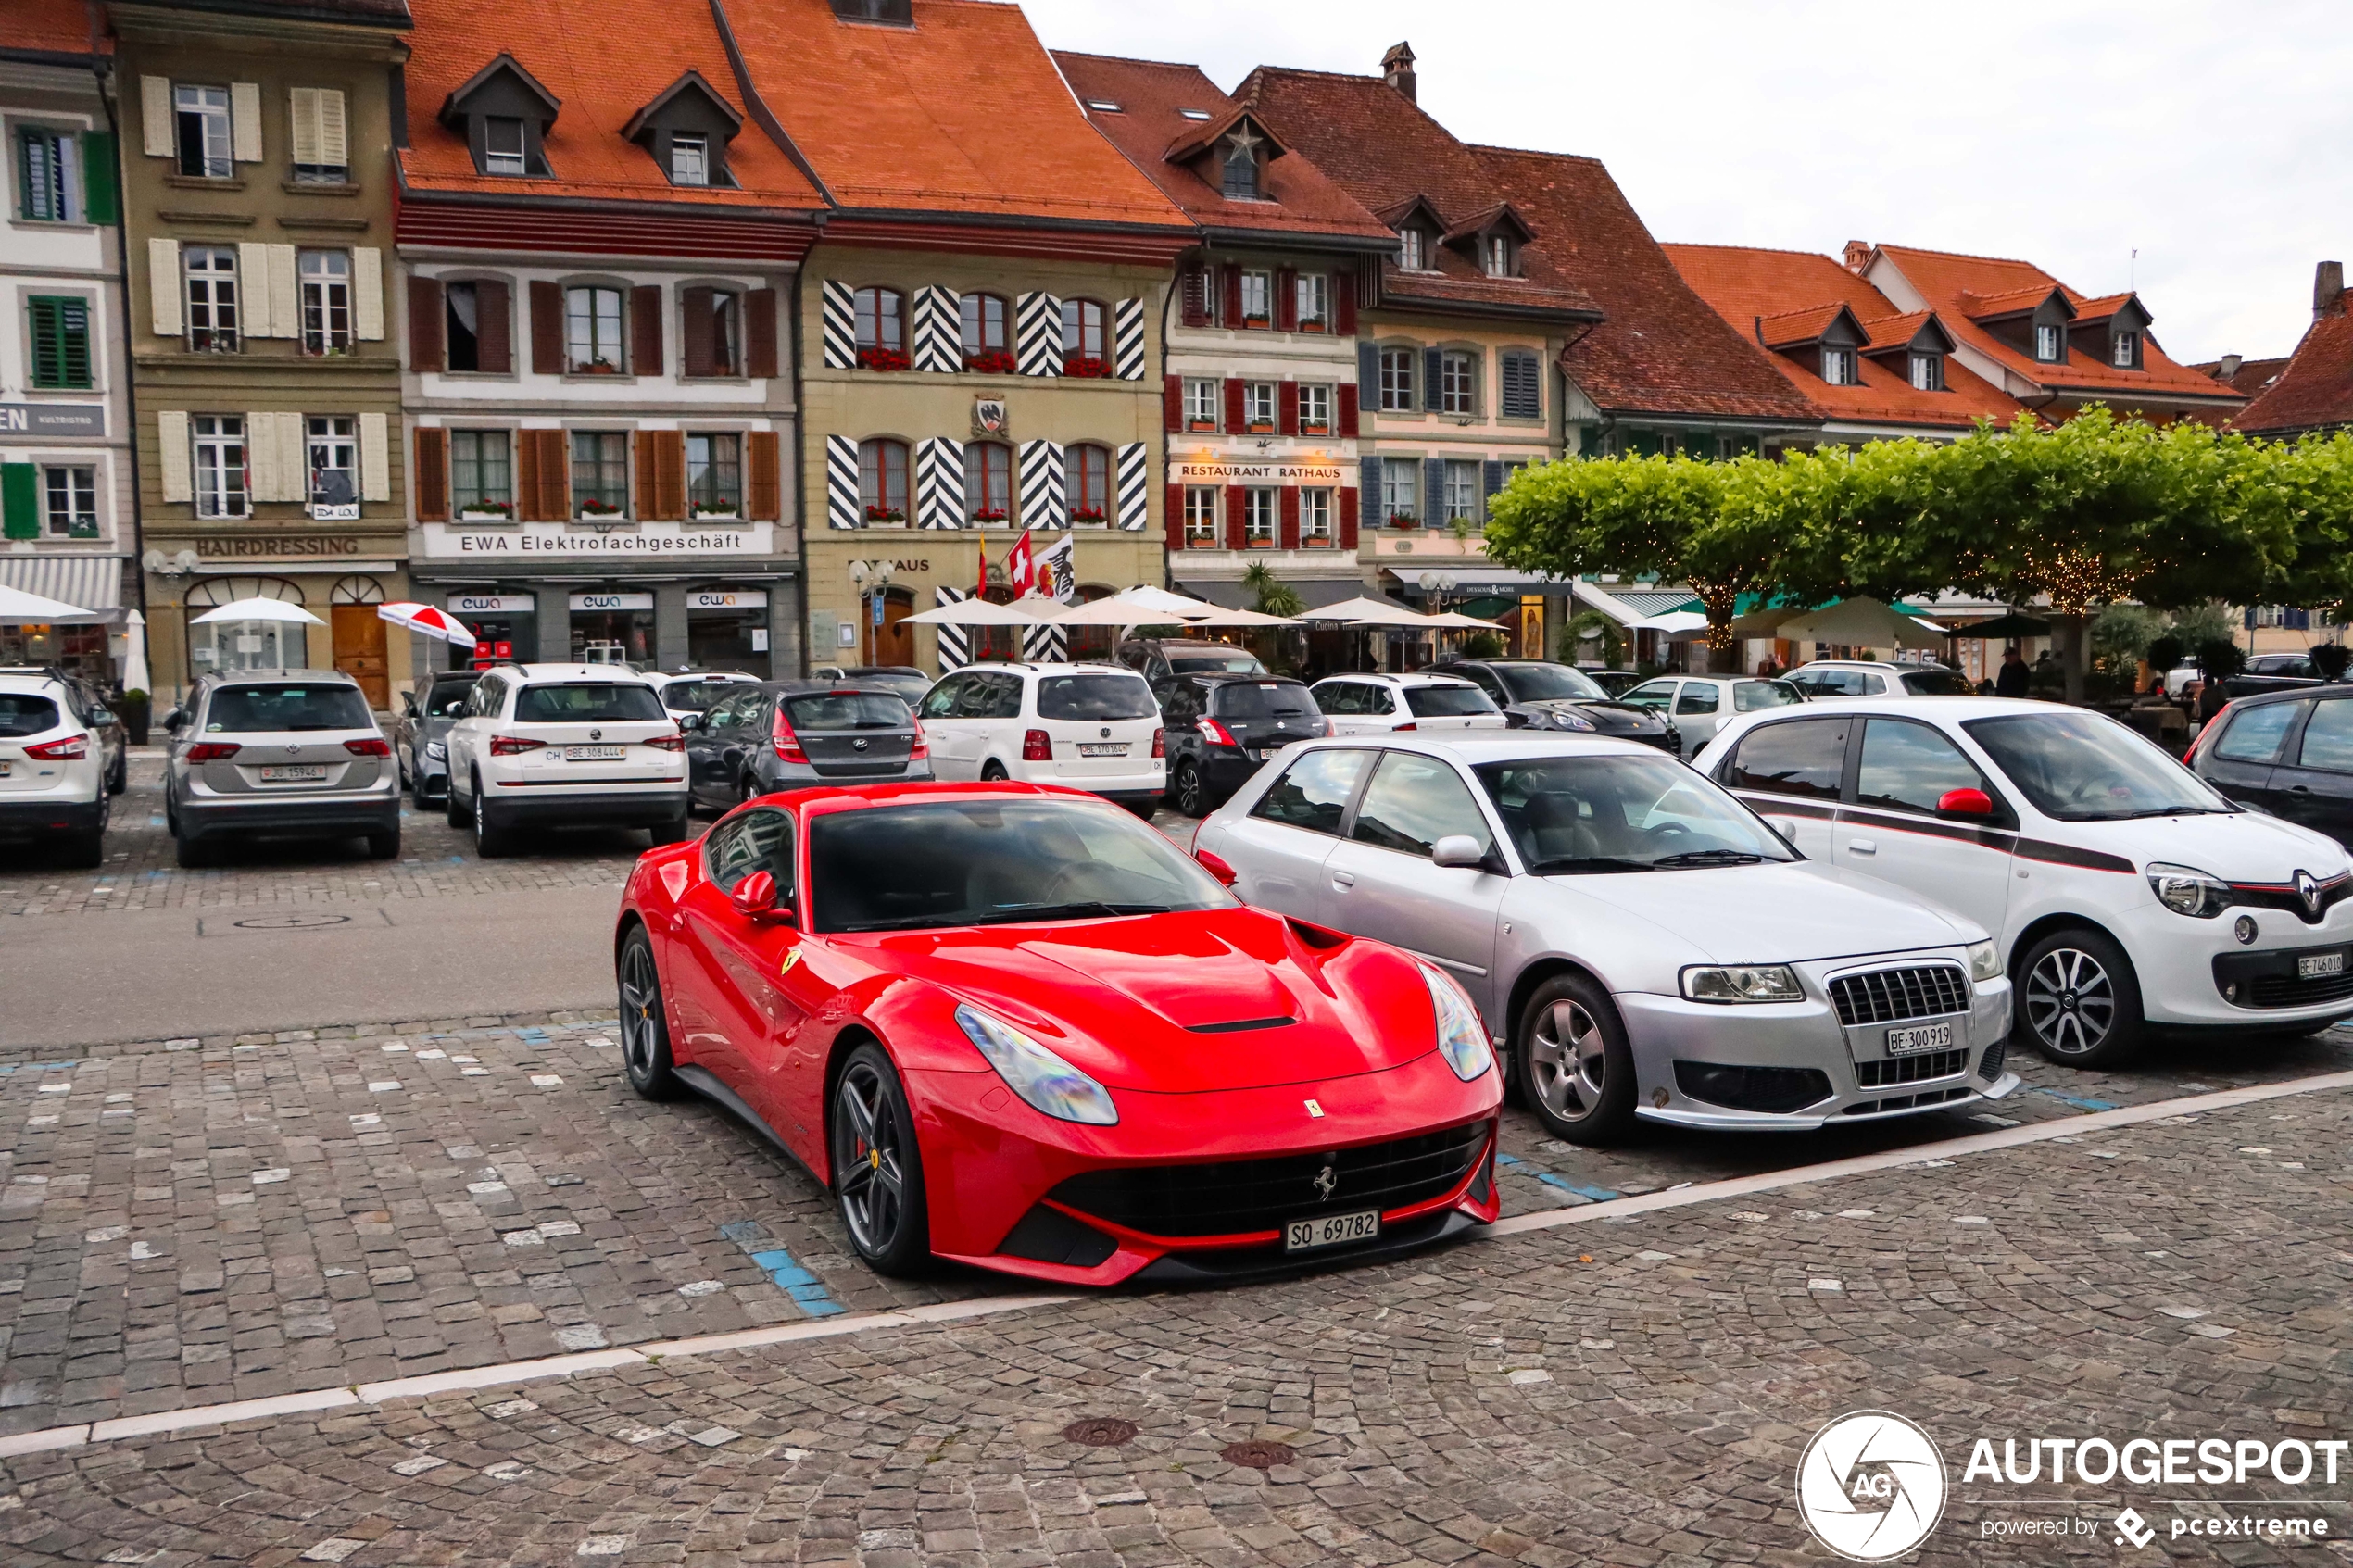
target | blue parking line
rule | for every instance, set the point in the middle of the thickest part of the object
(1590, 1193)
(36, 1066)
(807, 1291)
(2076, 1100)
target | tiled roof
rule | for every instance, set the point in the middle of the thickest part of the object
(1978, 306)
(367, 13)
(603, 60)
(1659, 349)
(1959, 287)
(2105, 307)
(1790, 327)
(964, 112)
(1744, 284)
(1383, 150)
(48, 26)
(2316, 388)
(2251, 377)
(1148, 124)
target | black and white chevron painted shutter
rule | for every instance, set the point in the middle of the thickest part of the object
(838, 308)
(1044, 493)
(1134, 489)
(1127, 339)
(842, 510)
(939, 331)
(1037, 334)
(1046, 644)
(939, 482)
(955, 642)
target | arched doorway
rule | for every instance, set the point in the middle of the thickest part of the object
(232, 646)
(893, 642)
(359, 638)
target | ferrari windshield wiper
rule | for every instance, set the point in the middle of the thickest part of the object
(2169, 812)
(1085, 908)
(1710, 857)
(1588, 863)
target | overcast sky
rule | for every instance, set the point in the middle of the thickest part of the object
(2212, 137)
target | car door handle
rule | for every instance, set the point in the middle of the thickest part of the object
(1343, 879)
(2299, 789)
(1864, 847)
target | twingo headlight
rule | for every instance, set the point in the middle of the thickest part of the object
(437, 751)
(1984, 961)
(1045, 1081)
(1743, 982)
(2188, 891)
(1461, 1038)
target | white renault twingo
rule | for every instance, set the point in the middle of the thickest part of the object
(2125, 892)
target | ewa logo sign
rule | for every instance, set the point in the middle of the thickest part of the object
(1872, 1486)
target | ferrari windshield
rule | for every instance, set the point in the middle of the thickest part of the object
(994, 862)
(2085, 768)
(1620, 813)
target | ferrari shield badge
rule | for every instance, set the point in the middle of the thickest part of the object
(791, 957)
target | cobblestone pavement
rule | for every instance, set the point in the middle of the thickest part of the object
(1634, 1392)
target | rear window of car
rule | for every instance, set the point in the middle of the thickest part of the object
(448, 699)
(1937, 683)
(848, 710)
(1262, 699)
(587, 702)
(23, 714)
(1239, 662)
(237, 710)
(696, 697)
(1094, 697)
(1448, 702)
(1751, 696)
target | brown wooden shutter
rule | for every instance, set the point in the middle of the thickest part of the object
(1233, 293)
(698, 353)
(1171, 402)
(645, 330)
(670, 472)
(760, 332)
(1193, 299)
(1286, 300)
(1345, 303)
(1173, 524)
(541, 494)
(494, 339)
(547, 330)
(1290, 516)
(1237, 518)
(1348, 519)
(432, 446)
(1287, 407)
(426, 351)
(1234, 420)
(764, 486)
(644, 493)
(1347, 408)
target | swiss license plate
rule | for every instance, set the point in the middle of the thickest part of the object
(293, 773)
(594, 753)
(1920, 1038)
(1102, 748)
(1331, 1230)
(4, 769)
(2310, 966)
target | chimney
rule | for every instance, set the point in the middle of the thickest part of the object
(1397, 69)
(2228, 368)
(1859, 255)
(2328, 289)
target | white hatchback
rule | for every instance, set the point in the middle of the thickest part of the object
(1094, 727)
(1371, 705)
(2123, 891)
(565, 746)
(1832, 679)
(53, 783)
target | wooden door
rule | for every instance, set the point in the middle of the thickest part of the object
(359, 652)
(894, 641)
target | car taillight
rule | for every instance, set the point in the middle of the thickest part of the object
(1331, 729)
(1159, 743)
(73, 748)
(668, 743)
(1409, 724)
(376, 747)
(512, 745)
(788, 744)
(1214, 733)
(921, 750)
(1036, 746)
(212, 751)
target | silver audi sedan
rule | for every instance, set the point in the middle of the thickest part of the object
(1640, 943)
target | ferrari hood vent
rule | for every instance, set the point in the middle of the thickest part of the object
(1241, 1025)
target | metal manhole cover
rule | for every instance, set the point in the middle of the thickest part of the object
(290, 923)
(1101, 1432)
(1258, 1455)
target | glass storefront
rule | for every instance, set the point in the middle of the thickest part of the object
(506, 629)
(613, 628)
(727, 629)
(248, 645)
(82, 649)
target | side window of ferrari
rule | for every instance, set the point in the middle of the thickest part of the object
(756, 841)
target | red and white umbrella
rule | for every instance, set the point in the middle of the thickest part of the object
(427, 621)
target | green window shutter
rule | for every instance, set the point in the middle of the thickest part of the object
(1642, 443)
(60, 341)
(97, 177)
(19, 501)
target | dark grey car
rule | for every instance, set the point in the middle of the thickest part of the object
(790, 734)
(417, 734)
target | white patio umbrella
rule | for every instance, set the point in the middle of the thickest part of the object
(1674, 623)
(17, 605)
(1112, 611)
(1220, 616)
(134, 653)
(976, 612)
(1362, 611)
(1163, 603)
(258, 610)
(427, 621)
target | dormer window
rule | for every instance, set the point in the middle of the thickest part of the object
(1838, 366)
(504, 113)
(2050, 342)
(689, 161)
(504, 150)
(2126, 351)
(1410, 249)
(1927, 373)
(1500, 257)
(1241, 166)
(686, 130)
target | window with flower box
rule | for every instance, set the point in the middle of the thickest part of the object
(989, 482)
(1259, 506)
(1258, 298)
(326, 301)
(1314, 409)
(1200, 516)
(1400, 490)
(715, 474)
(1085, 339)
(1258, 407)
(599, 473)
(882, 480)
(1312, 293)
(1201, 404)
(482, 472)
(1089, 483)
(989, 335)
(1316, 531)
(882, 329)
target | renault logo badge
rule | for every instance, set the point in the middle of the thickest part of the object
(2308, 888)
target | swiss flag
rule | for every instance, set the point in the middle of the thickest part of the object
(1021, 569)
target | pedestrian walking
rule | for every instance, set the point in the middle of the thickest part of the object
(2015, 679)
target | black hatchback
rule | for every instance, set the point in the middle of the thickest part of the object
(790, 734)
(2288, 753)
(1536, 694)
(1222, 728)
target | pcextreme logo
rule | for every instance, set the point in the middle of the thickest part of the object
(1871, 1486)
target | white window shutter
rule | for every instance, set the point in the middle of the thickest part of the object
(368, 293)
(261, 457)
(155, 115)
(334, 140)
(286, 299)
(253, 288)
(375, 464)
(303, 119)
(293, 457)
(245, 121)
(163, 285)
(172, 455)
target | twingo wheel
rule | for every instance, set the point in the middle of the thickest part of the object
(878, 1170)
(1192, 795)
(2080, 1000)
(645, 1031)
(1574, 1069)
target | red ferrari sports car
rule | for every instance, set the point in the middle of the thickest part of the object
(1012, 1025)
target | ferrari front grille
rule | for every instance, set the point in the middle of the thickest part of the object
(1240, 1197)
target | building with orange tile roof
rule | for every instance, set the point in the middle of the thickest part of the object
(2312, 389)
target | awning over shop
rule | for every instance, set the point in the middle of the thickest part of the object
(93, 581)
(1474, 578)
(1314, 592)
(1627, 603)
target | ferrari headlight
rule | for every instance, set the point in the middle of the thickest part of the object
(1461, 1038)
(2188, 891)
(1743, 982)
(1984, 961)
(437, 751)
(1045, 1081)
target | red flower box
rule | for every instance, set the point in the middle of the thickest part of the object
(885, 514)
(881, 360)
(988, 517)
(1085, 368)
(1086, 514)
(995, 362)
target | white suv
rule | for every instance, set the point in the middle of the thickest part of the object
(51, 768)
(565, 746)
(1370, 705)
(1094, 727)
(1833, 678)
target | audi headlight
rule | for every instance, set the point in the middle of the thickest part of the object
(2188, 891)
(437, 751)
(1984, 961)
(1461, 1038)
(1743, 982)
(1045, 1081)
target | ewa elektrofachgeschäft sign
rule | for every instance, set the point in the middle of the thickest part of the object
(644, 541)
